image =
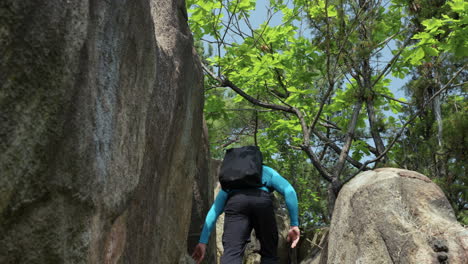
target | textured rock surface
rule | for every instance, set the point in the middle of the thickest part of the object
(101, 127)
(395, 216)
(203, 197)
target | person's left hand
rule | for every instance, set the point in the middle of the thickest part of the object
(293, 236)
(199, 252)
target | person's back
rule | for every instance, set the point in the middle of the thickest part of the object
(246, 209)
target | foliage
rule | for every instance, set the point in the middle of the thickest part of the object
(446, 165)
(436, 142)
(309, 85)
(446, 34)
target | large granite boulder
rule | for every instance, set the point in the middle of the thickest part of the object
(395, 216)
(101, 130)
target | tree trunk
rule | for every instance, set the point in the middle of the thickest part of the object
(374, 129)
(438, 118)
(331, 200)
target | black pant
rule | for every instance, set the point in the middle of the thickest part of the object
(245, 210)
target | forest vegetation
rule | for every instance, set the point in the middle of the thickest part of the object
(314, 84)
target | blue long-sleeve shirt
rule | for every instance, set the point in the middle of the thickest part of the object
(270, 179)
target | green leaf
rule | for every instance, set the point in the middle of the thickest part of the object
(432, 24)
(458, 6)
(331, 11)
(417, 57)
(430, 51)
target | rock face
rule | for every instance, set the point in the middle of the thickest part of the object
(203, 197)
(101, 130)
(395, 216)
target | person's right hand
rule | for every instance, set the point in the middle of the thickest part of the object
(293, 236)
(199, 252)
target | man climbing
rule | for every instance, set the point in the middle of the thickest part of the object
(245, 198)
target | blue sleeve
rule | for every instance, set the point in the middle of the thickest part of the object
(216, 209)
(281, 185)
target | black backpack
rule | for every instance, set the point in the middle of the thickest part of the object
(241, 168)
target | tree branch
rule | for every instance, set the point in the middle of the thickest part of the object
(373, 126)
(459, 84)
(305, 129)
(446, 86)
(249, 109)
(349, 139)
(391, 62)
(322, 104)
(227, 83)
(234, 140)
(230, 20)
(335, 148)
(329, 124)
(393, 99)
(313, 158)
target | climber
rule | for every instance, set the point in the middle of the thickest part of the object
(248, 208)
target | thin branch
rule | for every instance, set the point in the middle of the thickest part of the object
(348, 140)
(322, 104)
(305, 129)
(213, 87)
(385, 42)
(234, 140)
(392, 61)
(327, 39)
(228, 83)
(390, 38)
(325, 147)
(238, 32)
(256, 40)
(335, 148)
(329, 124)
(230, 20)
(256, 126)
(272, 92)
(238, 27)
(249, 109)
(313, 158)
(348, 60)
(352, 28)
(393, 99)
(215, 42)
(280, 77)
(459, 84)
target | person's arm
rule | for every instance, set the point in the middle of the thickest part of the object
(216, 209)
(281, 185)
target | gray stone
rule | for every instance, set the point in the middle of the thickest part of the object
(394, 216)
(101, 126)
(202, 200)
